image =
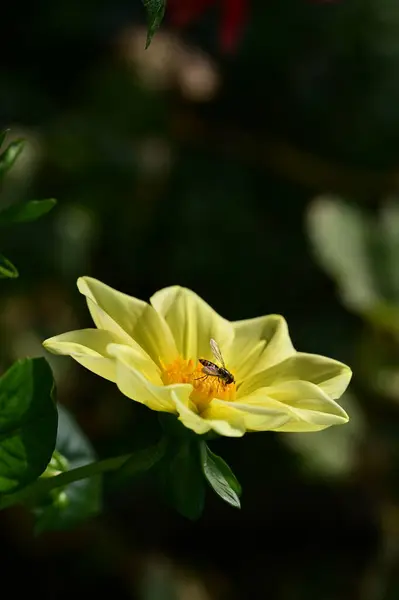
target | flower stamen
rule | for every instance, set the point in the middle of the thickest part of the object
(205, 387)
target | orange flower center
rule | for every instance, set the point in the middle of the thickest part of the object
(205, 387)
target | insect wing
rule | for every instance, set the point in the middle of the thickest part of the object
(211, 369)
(216, 352)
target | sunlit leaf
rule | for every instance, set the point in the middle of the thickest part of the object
(27, 211)
(155, 13)
(28, 423)
(220, 477)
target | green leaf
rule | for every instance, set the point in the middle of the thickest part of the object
(28, 423)
(66, 507)
(26, 211)
(182, 480)
(9, 156)
(220, 476)
(3, 136)
(7, 269)
(139, 462)
(155, 13)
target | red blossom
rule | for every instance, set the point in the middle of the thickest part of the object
(233, 16)
(234, 13)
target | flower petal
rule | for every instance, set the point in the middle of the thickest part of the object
(330, 375)
(188, 414)
(224, 421)
(258, 344)
(249, 417)
(192, 321)
(307, 407)
(140, 382)
(88, 347)
(118, 312)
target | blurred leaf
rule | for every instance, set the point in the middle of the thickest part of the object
(155, 13)
(27, 211)
(389, 224)
(79, 500)
(332, 452)
(9, 156)
(7, 269)
(384, 316)
(3, 136)
(182, 479)
(28, 423)
(340, 235)
(220, 476)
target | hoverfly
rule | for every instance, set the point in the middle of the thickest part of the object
(212, 370)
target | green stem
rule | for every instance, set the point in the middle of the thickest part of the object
(140, 461)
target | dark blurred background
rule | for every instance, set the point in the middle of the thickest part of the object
(185, 164)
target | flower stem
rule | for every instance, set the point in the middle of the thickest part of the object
(139, 461)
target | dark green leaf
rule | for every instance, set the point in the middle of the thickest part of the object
(27, 211)
(155, 13)
(220, 476)
(7, 269)
(28, 423)
(139, 462)
(79, 500)
(174, 428)
(9, 156)
(182, 479)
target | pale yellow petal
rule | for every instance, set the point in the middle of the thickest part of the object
(224, 419)
(248, 417)
(188, 414)
(224, 422)
(301, 427)
(118, 312)
(141, 382)
(88, 347)
(294, 406)
(258, 344)
(309, 402)
(136, 358)
(192, 321)
(331, 376)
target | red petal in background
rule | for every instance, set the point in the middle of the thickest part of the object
(233, 19)
(182, 12)
(234, 12)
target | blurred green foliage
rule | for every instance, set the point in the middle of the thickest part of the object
(78, 501)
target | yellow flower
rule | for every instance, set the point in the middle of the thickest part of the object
(152, 351)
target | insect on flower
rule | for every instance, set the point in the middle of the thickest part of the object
(212, 370)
